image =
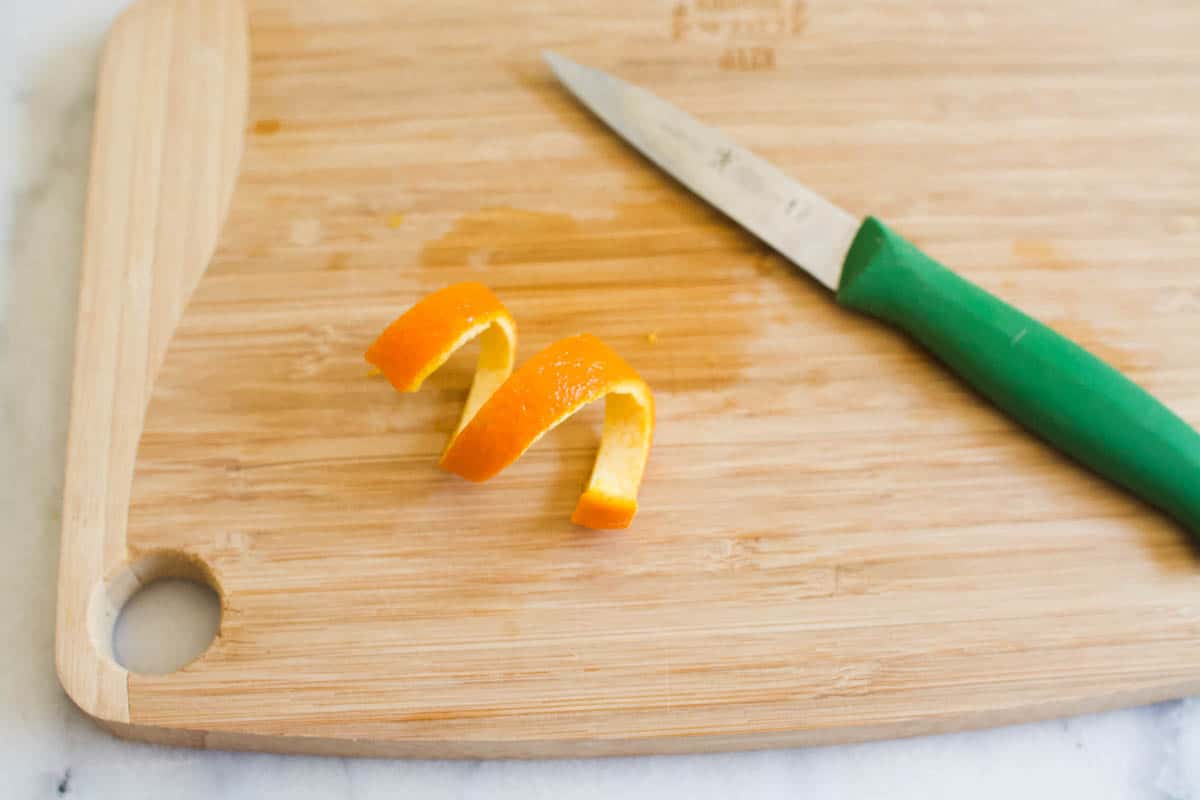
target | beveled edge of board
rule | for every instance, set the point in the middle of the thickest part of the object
(169, 128)
(661, 745)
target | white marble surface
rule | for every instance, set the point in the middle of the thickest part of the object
(49, 53)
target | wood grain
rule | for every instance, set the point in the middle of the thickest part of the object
(837, 541)
(167, 139)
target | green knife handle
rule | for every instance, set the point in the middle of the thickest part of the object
(1041, 379)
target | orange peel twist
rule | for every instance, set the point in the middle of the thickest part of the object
(505, 414)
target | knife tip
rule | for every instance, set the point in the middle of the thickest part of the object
(553, 59)
(568, 72)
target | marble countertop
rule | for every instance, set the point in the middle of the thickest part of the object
(50, 51)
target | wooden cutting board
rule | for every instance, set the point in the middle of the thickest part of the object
(837, 541)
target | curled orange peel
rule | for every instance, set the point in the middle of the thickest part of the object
(505, 415)
(543, 392)
(424, 337)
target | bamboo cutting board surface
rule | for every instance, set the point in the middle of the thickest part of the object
(837, 540)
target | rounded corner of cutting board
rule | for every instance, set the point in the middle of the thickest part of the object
(95, 685)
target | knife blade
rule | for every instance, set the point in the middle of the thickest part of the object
(1049, 384)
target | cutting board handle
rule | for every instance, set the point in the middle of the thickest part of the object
(166, 147)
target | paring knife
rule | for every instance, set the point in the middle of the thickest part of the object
(1049, 384)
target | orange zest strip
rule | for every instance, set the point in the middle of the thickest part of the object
(424, 337)
(504, 415)
(543, 392)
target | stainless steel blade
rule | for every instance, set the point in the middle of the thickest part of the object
(806, 228)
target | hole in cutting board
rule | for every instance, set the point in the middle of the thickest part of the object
(157, 613)
(166, 625)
